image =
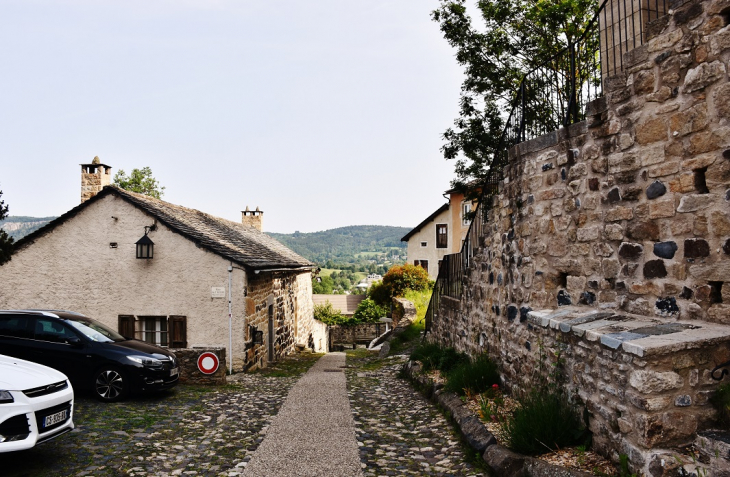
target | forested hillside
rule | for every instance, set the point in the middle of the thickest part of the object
(358, 245)
(19, 226)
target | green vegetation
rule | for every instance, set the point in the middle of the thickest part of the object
(472, 376)
(516, 36)
(402, 278)
(329, 316)
(357, 248)
(291, 366)
(369, 312)
(6, 242)
(140, 181)
(420, 300)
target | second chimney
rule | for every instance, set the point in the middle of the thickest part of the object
(253, 218)
(94, 177)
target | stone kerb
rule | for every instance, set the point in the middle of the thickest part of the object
(189, 372)
(627, 213)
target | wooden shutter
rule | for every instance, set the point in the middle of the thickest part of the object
(126, 326)
(178, 331)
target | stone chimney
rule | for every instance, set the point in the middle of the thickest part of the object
(94, 177)
(253, 219)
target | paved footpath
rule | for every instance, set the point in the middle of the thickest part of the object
(314, 432)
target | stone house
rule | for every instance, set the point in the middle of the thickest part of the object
(607, 244)
(165, 274)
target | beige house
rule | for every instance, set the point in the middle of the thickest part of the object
(345, 304)
(165, 274)
(430, 240)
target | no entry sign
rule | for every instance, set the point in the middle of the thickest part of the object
(208, 363)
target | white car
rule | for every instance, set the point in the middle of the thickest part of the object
(36, 404)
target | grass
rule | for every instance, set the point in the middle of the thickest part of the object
(473, 376)
(420, 300)
(404, 342)
(293, 365)
(545, 421)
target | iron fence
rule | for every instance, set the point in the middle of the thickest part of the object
(552, 95)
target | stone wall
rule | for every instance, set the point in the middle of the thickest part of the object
(627, 213)
(286, 300)
(189, 372)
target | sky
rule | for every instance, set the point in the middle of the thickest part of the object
(323, 113)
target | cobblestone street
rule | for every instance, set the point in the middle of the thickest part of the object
(400, 432)
(214, 432)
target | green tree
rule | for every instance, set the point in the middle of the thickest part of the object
(6, 242)
(369, 312)
(329, 316)
(140, 181)
(322, 285)
(402, 278)
(517, 36)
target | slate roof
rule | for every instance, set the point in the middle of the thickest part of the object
(233, 241)
(418, 227)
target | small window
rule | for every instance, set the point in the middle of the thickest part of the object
(50, 330)
(424, 244)
(442, 239)
(159, 330)
(421, 263)
(16, 326)
(465, 211)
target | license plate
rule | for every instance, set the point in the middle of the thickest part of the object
(174, 371)
(55, 418)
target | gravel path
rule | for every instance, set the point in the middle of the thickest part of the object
(399, 432)
(313, 434)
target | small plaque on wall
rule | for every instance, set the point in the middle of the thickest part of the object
(218, 292)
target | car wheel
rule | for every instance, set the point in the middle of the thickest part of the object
(110, 384)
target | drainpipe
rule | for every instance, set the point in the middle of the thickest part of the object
(230, 321)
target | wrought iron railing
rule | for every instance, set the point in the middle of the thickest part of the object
(552, 95)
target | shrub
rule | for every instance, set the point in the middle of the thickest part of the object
(401, 278)
(329, 316)
(429, 354)
(475, 376)
(380, 294)
(544, 421)
(420, 300)
(369, 312)
(721, 401)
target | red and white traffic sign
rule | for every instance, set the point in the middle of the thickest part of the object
(208, 363)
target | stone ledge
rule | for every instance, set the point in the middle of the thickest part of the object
(637, 335)
(501, 460)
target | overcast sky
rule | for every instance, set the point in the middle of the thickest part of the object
(324, 113)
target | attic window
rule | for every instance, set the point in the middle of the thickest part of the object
(113, 245)
(424, 244)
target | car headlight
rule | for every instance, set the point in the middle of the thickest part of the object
(6, 397)
(146, 362)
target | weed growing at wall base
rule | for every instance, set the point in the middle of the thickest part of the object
(545, 421)
(475, 376)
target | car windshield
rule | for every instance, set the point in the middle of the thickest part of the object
(95, 331)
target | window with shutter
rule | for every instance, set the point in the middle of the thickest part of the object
(126, 326)
(441, 235)
(178, 331)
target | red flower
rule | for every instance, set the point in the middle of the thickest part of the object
(495, 386)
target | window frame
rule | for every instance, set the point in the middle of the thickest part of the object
(442, 239)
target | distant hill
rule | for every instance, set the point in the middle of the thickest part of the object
(19, 226)
(353, 244)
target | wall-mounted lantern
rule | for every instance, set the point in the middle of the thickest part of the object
(145, 246)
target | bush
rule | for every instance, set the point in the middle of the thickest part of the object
(544, 421)
(380, 294)
(369, 312)
(401, 278)
(329, 316)
(420, 300)
(475, 376)
(429, 354)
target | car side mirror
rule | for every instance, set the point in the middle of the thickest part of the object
(75, 342)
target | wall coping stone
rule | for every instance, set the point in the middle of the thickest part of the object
(633, 334)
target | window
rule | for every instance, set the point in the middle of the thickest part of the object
(465, 211)
(15, 326)
(47, 329)
(424, 265)
(442, 238)
(424, 244)
(159, 330)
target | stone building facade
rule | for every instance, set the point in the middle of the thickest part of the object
(608, 245)
(86, 261)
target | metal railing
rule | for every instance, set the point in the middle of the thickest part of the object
(551, 95)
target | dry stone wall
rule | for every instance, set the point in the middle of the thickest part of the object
(626, 213)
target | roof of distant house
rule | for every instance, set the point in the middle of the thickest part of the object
(233, 241)
(345, 304)
(424, 223)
